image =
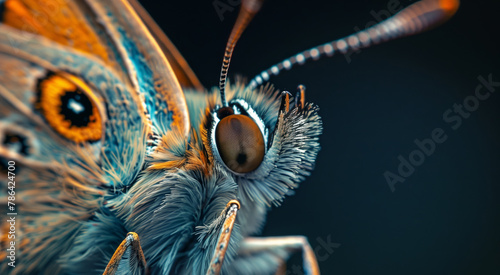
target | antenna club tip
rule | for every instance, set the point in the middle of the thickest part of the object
(449, 6)
(252, 6)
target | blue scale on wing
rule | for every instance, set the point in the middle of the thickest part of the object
(157, 109)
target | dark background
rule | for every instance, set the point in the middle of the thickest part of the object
(444, 218)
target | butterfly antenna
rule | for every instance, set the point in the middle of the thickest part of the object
(414, 19)
(247, 11)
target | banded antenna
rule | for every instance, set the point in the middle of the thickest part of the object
(414, 19)
(248, 10)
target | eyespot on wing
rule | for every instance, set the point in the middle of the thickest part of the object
(68, 106)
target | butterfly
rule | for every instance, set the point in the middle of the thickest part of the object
(115, 158)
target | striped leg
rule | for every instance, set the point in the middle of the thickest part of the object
(225, 236)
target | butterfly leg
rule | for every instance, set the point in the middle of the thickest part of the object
(254, 245)
(131, 245)
(229, 216)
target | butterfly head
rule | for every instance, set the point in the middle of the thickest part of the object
(263, 140)
(266, 147)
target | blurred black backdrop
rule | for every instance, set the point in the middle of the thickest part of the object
(444, 218)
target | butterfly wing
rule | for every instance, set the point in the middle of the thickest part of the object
(114, 33)
(181, 68)
(84, 92)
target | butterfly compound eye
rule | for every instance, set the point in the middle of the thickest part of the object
(240, 143)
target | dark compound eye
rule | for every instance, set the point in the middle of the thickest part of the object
(240, 143)
(68, 108)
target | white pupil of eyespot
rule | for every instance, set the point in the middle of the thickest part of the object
(75, 106)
